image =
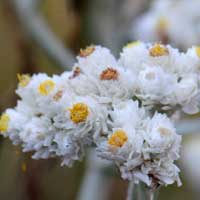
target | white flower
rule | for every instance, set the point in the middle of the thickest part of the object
(37, 136)
(79, 122)
(12, 123)
(80, 116)
(143, 148)
(162, 72)
(95, 59)
(133, 56)
(162, 172)
(123, 112)
(103, 74)
(136, 55)
(81, 84)
(68, 149)
(37, 85)
(154, 83)
(160, 136)
(51, 120)
(187, 93)
(124, 137)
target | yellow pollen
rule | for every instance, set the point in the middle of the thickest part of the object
(197, 49)
(109, 74)
(4, 121)
(162, 23)
(158, 50)
(86, 52)
(24, 79)
(118, 138)
(79, 112)
(133, 44)
(46, 87)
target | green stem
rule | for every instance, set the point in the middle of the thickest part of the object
(140, 192)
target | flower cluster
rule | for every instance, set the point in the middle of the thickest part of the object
(166, 79)
(124, 107)
(174, 22)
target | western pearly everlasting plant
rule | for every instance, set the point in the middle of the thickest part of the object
(125, 108)
(175, 22)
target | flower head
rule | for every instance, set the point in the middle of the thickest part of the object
(79, 112)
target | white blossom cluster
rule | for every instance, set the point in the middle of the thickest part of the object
(123, 107)
(165, 78)
(175, 22)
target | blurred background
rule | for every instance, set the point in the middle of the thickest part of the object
(27, 28)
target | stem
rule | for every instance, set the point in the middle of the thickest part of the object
(186, 126)
(150, 195)
(95, 185)
(130, 191)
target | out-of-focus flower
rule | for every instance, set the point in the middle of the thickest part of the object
(169, 21)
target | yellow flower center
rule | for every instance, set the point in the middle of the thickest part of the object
(118, 138)
(23, 79)
(46, 87)
(158, 50)
(79, 112)
(197, 51)
(109, 74)
(86, 52)
(133, 44)
(4, 121)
